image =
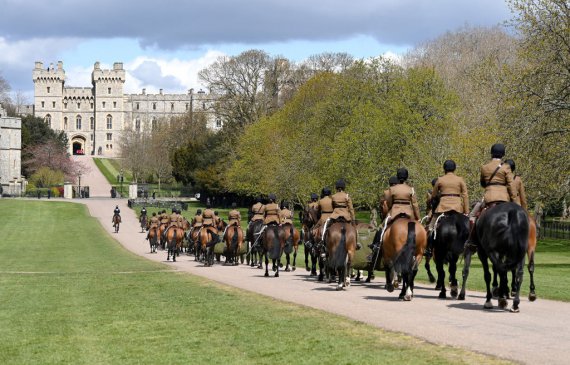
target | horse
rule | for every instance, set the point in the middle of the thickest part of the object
(116, 222)
(186, 228)
(254, 240)
(532, 238)
(403, 246)
(161, 230)
(340, 239)
(234, 241)
(292, 238)
(501, 235)
(194, 243)
(208, 237)
(448, 239)
(174, 238)
(153, 239)
(273, 245)
(428, 255)
(308, 218)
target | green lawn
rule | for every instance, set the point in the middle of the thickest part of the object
(70, 294)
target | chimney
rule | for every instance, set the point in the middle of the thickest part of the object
(117, 66)
(39, 65)
(144, 91)
(97, 66)
(190, 91)
(160, 91)
(59, 65)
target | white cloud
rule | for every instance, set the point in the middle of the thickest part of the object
(19, 53)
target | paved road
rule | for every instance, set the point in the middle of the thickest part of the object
(538, 334)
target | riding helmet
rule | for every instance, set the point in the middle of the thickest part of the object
(340, 184)
(402, 174)
(326, 191)
(314, 197)
(498, 150)
(449, 166)
(272, 197)
(199, 211)
(393, 180)
(511, 163)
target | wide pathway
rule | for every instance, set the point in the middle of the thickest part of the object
(98, 184)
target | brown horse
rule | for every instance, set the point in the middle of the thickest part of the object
(174, 238)
(153, 239)
(403, 247)
(194, 242)
(308, 218)
(116, 222)
(234, 242)
(161, 230)
(273, 245)
(340, 239)
(292, 238)
(208, 237)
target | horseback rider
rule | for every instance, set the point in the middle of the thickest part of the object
(314, 204)
(497, 179)
(401, 199)
(173, 221)
(164, 219)
(197, 221)
(519, 187)
(393, 180)
(209, 222)
(153, 223)
(342, 204)
(143, 212)
(271, 211)
(234, 216)
(324, 210)
(286, 216)
(431, 202)
(116, 213)
(452, 192)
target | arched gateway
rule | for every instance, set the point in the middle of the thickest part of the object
(78, 145)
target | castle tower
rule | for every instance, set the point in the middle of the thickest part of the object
(109, 108)
(48, 91)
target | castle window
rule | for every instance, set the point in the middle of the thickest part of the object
(103, 105)
(138, 106)
(78, 105)
(92, 123)
(171, 106)
(111, 145)
(138, 125)
(204, 106)
(78, 122)
(48, 89)
(218, 123)
(43, 104)
(107, 146)
(154, 123)
(64, 105)
(109, 91)
(109, 121)
(91, 105)
(109, 136)
(92, 137)
(53, 104)
(187, 106)
(153, 106)
(48, 120)
(65, 123)
(114, 104)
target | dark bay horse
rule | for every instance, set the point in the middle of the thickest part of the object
(208, 237)
(532, 239)
(116, 222)
(501, 235)
(448, 244)
(255, 245)
(153, 239)
(403, 246)
(234, 240)
(174, 238)
(273, 245)
(340, 239)
(308, 218)
(292, 238)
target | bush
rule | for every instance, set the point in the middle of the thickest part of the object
(45, 178)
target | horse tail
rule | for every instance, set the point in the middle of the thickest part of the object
(403, 262)
(234, 239)
(339, 258)
(276, 245)
(519, 237)
(289, 242)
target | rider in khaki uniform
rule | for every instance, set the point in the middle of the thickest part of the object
(325, 207)
(272, 211)
(342, 204)
(164, 219)
(518, 186)
(257, 211)
(234, 216)
(197, 221)
(401, 199)
(393, 180)
(286, 216)
(153, 223)
(314, 204)
(209, 223)
(452, 192)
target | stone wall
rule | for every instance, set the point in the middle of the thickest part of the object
(10, 154)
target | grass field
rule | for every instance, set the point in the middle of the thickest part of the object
(69, 294)
(552, 263)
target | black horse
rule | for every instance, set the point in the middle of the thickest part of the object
(308, 219)
(448, 241)
(255, 242)
(501, 235)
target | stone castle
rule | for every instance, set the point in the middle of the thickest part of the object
(11, 180)
(95, 117)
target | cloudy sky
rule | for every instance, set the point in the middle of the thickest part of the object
(163, 44)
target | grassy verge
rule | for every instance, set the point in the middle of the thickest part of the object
(73, 295)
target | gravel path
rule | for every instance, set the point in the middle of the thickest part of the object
(538, 334)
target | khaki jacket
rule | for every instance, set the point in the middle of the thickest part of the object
(257, 210)
(286, 216)
(164, 218)
(325, 209)
(272, 213)
(234, 217)
(384, 203)
(314, 205)
(342, 205)
(174, 219)
(208, 217)
(197, 221)
(154, 222)
(500, 188)
(453, 194)
(519, 192)
(402, 200)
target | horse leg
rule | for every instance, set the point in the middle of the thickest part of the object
(465, 273)
(440, 277)
(307, 254)
(487, 275)
(276, 271)
(341, 274)
(518, 284)
(403, 295)
(495, 286)
(428, 269)
(266, 265)
(314, 260)
(452, 276)
(532, 294)
(321, 268)
(295, 258)
(288, 258)
(503, 289)
(389, 277)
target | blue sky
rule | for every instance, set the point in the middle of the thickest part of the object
(165, 44)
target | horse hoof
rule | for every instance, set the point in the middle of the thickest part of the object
(287, 269)
(293, 268)
(390, 288)
(277, 274)
(503, 303)
(514, 310)
(307, 268)
(461, 296)
(407, 298)
(532, 297)
(431, 279)
(339, 287)
(442, 295)
(266, 275)
(321, 278)
(367, 280)
(438, 287)
(495, 292)
(488, 305)
(453, 292)
(513, 294)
